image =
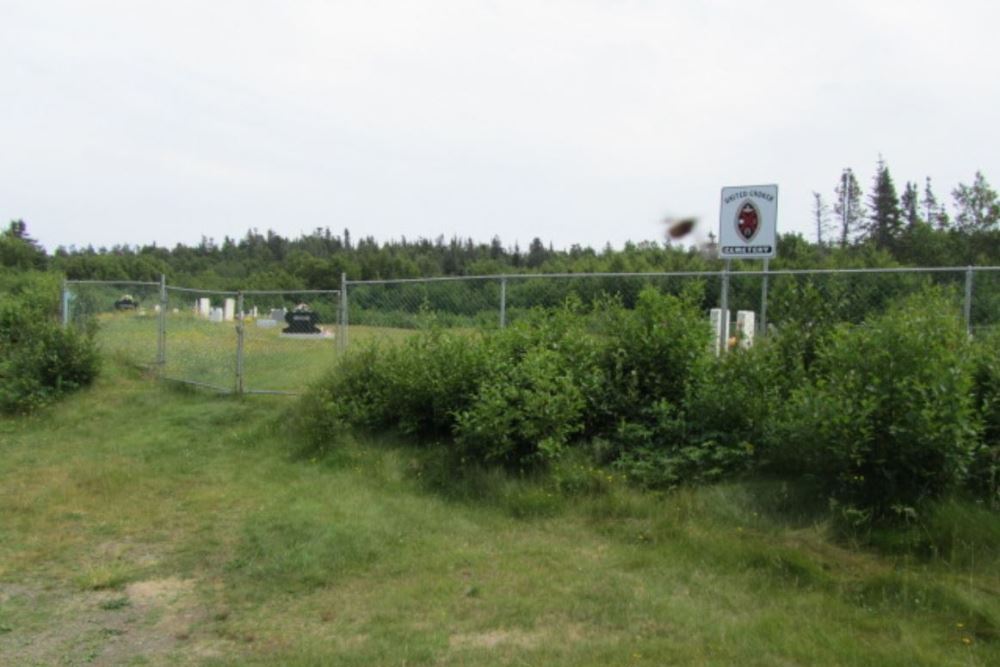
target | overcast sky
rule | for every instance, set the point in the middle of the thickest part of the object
(577, 121)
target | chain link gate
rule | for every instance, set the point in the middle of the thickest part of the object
(216, 339)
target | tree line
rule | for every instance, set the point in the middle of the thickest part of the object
(853, 228)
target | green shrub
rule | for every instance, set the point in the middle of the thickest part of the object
(888, 420)
(984, 472)
(417, 387)
(39, 360)
(542, 378)
(657, 452)
(652, 353)
(524, 412)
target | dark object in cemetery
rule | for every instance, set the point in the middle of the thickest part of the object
(126, 303)
(301, 320)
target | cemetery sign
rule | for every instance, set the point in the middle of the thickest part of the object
(747, 222)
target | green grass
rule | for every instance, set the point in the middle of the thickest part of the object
(205, 352)
(141, 524)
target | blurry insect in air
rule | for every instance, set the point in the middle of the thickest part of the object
(678, 228)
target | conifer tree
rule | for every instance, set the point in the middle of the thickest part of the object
(847, 207)
(821, 215)
(910, 205)
(885, 220)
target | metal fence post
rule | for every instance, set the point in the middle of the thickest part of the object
(65, 304)
(724, 307)
(763, 300)
(968, 300)
(342, 337)
(161, 323)
(239, 342)
(503, 301)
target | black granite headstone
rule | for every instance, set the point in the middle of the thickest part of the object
(301, 321)
(126, 303)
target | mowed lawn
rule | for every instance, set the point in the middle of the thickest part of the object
(142, 524)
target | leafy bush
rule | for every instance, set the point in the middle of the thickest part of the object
(656, 452)
(542, 378)
(39, 360)
(523, 414)
(888, 420)
(653, 352)
(984, 472)
(416, 387)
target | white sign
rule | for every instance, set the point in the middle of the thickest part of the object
(748, 221)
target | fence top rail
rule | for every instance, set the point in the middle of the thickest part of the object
(679, 274)
(112, 282)
(292, 291)
(193, 290)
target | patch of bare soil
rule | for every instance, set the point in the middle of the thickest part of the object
(494, 638)
(156, 620)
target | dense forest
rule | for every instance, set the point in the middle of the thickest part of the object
(883, 227)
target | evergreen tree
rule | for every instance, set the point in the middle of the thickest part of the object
(847, 207)
(20, 251)
(821, 215)
(977, 206)
(885, 219)
(910, 205)
(935, 213)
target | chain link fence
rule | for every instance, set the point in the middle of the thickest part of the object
(388, 309)
(247, 341)
(226, 341)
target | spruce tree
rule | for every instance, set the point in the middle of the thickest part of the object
(821, 215)
(910, 205)
(885, 220)
(847, 206)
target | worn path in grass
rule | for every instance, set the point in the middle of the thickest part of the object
(142, 525)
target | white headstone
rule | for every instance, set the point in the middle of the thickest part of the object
(216, 315)
(229, 310)
(266, 324)
(156, 307)
(204, 307)
(253, 312)
(278, 314)
(720, 330)
(175, 311)
(745, 325)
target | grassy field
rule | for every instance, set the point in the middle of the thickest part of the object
(205, 352)
(143, 524)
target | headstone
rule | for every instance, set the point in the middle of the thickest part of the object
(253, 312)
(278, 314)
(156, 308)
(265, 323)
(216, 315)
(229, 310)
(175, 311)
(301, 320)
(204, 307)
(720, 329)
(745, 326)
(126, 303)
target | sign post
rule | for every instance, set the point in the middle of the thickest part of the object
(748, 216)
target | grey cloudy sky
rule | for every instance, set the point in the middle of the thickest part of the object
(578, 121)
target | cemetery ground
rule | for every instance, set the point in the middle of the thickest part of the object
(141, 523)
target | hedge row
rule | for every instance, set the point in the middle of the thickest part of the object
(879, 416)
